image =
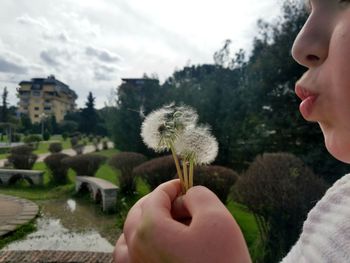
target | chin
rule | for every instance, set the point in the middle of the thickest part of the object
(339, 149)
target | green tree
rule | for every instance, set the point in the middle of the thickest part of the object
(4, 106)
(89, 117)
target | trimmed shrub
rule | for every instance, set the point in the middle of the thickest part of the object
(219, 179)
(46, 135)
(55, 147)
(126, 162)
(64, 135)
(85, 164)
(15, 137)
(79, 148)
(74, 141)
(57, 168)
(105, 145)
(5, 149)
(280, 190)
(156, 171)
(95, 142)
(22, 157)
(33, 140)
(76, 134)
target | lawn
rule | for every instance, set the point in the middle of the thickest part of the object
(49, 191)
(44, 145)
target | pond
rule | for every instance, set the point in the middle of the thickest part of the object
(71, 224)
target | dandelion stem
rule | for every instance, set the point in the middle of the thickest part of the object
(184, 165)
(178, 168)
(191, 174)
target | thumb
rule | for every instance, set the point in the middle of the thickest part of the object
(198, 199)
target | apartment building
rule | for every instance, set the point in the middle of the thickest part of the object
(44, 97)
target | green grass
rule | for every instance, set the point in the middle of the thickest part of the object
(108, 153)
(249, 227)
(44, 145)
(49, 191)
(19, 233)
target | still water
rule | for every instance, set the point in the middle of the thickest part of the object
(75, 225)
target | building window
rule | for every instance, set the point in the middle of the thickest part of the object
(36, 93)
(36, 116)
(47, 108)
(36, 108)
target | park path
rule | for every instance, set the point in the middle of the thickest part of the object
(71, 152)
(55, 256)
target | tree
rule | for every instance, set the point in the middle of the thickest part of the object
(134, 101)
(89, 117)
(4, 106)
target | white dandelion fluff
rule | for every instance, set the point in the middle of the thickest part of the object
(161, 127)
(198, 145)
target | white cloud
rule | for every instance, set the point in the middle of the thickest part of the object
(27, 20)
(91, 44)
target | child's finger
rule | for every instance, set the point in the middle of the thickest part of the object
(200, 199)
(121, 252)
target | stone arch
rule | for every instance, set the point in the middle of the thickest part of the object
(98, 197)
(84, 188)
(16, 177)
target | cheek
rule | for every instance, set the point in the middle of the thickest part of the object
(339, 70)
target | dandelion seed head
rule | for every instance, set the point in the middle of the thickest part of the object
(153, 129)
(197, 144)
(163, 126)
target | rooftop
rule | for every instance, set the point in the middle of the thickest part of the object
(37, 84)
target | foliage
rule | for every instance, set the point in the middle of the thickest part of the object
(105, 145)
(57, 168)
(74, 141)
(219, 179)
(46, 135)
(126, 162)
(134, 99)
(33, 140)
(85, 164)
(96, 143)
(79, 148)
(21, 157)
(5, 149)
(55, 147)
(25, 124)
(4, 114)
(15, 137)
(64, 135)
(156, 171)
(280, 190)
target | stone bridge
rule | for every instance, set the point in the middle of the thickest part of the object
(11, 176)
(101, 191)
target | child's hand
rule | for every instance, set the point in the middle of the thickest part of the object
(195, 227)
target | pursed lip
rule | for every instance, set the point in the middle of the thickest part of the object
(304, 93)
(307, 104)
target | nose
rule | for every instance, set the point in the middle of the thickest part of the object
(310, 47)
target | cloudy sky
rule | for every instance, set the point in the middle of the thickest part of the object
(91, 44)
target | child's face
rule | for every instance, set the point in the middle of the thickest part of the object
(323, 46)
